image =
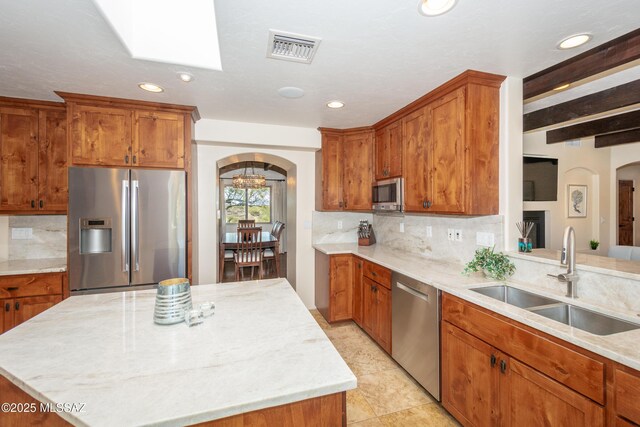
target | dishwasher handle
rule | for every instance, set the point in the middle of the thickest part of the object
(412, 291)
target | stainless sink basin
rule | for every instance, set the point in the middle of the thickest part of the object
(587, 320)
(513, 296)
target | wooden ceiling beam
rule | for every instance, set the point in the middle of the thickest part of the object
(617, 123)
(609, 99)
(618, 138)
(601, 58)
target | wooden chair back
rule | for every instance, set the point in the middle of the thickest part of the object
(250, 250)
(278, 231)
(244, 223)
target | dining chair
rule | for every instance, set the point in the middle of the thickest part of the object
(244, 223)
(249, 253)
(272, 254)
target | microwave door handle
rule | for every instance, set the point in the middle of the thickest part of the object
(135, 213)
(125, 221)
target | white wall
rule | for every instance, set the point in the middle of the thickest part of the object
(217, 140)
(583, 165)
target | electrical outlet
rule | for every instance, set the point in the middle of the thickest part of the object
(339, 225)
(402, 227)
(485, 239)
(450, 234)
(429, 231)
(458, 235)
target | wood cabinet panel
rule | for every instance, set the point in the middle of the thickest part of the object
(369, 306)
(340, 284)
(332, 172)
(470, 380)
(621, 422)
(357, 290)
(388, 151)
(535, 400)
(357, 170)
(100, 135)
(6, 318)
(31, 285)
(52, 161)
(28, 307)
(446, 165)
(158, 139)
(18, 159)
(377, 273)
(416, 133)
(577, 371)
(627, 395)
(382, 330)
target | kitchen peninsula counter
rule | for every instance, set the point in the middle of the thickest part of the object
(261, 348)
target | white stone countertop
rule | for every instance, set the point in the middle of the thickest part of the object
(623, 347)
(261, 348)
(32, 266)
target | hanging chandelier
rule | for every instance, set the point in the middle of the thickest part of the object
(251, 180)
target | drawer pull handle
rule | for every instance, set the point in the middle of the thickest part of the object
(493, 360)
(41, 204)
(17, 306)
(33, 204)
(13, 288)
(7, 307)
(503, 366)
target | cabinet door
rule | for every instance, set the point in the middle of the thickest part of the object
(52, 161)
(446, 166)
(533, 399)
(332, 172)
(18, 159)
(383, 318)
(28, 307)
(340, 284)
(6, 318)
(382, 153)
(389, 151)
(470, 378)
(100, 135)
(158, 139)
(416, 134)
(369, 305)
(357, 171)
(357, 290)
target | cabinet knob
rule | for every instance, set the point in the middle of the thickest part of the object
(33, 203)
(7, 307)
(41, 204)
(134, 160)
(503, 366)
(424, 204)
(340, 204)
(494, 359)
(429, 204)
(17, 305)
(345, 204)
(126, 158)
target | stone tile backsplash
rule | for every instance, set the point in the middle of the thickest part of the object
(325, 226)
(48, 240)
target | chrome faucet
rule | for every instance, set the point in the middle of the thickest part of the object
(568, 258)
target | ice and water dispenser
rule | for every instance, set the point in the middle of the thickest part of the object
(95, 235)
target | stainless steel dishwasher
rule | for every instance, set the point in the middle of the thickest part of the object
(415, 337)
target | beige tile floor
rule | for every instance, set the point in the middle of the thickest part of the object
(386, 394)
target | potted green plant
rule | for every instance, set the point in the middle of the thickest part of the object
(493, 264)
(594, 244)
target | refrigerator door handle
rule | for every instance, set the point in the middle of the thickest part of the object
(125, 219)
(135, 239)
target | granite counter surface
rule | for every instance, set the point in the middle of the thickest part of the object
(261, 348)
(622, 347)
(33, 266)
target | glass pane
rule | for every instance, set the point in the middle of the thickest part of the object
(259, 204)
(234, 202)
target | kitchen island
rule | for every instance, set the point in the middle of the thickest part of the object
(103, 357)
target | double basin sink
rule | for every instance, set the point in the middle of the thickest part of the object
(587, 320)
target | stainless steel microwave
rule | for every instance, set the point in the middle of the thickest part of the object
(387, 195)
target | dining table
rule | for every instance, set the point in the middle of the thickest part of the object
(229, 241)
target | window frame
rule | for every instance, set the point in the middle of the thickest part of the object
(246, 204)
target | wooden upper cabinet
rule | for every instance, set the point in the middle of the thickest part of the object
(416, 132)
(346, 170)
(52, 161)
(388, 151)
(357, 171)
(100, 136)
(18, 159)
(159, 139)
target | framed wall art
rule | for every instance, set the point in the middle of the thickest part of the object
(577, 201)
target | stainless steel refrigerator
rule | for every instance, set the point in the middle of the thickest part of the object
(127, 227)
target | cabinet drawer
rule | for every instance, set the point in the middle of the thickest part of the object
(575, 370)
(627, 390)
(378, 274)
(30, 285)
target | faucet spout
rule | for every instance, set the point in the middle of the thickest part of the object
(568, 258)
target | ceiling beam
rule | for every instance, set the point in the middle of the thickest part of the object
(601, 58)
(609, 99)
(618, 138)
(617, 123)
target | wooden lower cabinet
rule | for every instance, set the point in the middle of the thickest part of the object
(376, 313)
(627, 394)
(25, 296)
(358, 289)
(340, 287)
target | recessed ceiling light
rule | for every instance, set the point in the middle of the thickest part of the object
(574, 41)
(291, 92)
(185, 77)
(150, 87)
(435, 7)
(335, 104)
(562, 87)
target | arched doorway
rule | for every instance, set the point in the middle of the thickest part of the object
(290, 169)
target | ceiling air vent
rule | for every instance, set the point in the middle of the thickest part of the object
(292, 47)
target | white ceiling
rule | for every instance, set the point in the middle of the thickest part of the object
(375, 55)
